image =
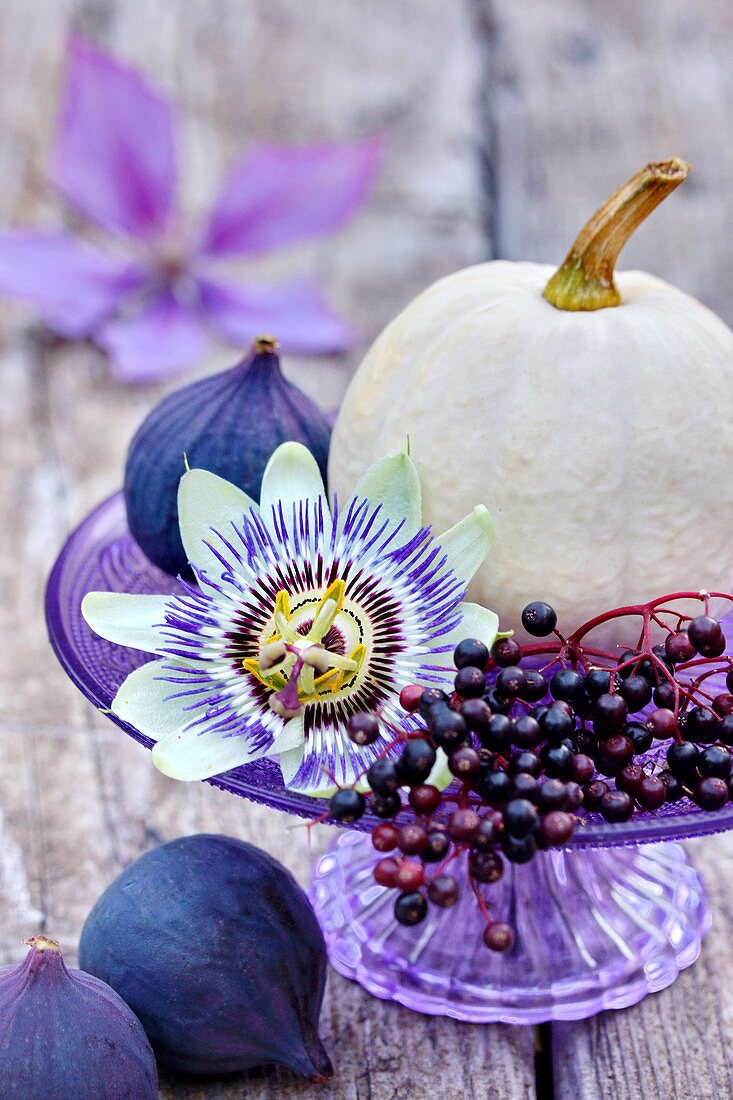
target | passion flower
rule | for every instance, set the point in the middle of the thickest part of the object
(300, 620)
(230, 424)
(65, 1035)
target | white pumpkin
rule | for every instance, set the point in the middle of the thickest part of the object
(601, 440)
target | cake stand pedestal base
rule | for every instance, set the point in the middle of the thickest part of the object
(596, 929)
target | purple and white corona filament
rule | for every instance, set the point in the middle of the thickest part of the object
(299, 619)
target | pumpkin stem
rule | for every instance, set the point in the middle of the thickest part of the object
(585, 279)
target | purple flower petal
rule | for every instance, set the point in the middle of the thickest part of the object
(114, 157)
(295, 312)
(73, 286)
(279, 194)
(160, 341)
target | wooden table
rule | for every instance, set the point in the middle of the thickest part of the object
(508, 124)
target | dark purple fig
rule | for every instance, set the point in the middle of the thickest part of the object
(229, 424)
(217, 950)
(65, 1035)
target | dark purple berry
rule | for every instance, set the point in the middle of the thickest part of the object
(498, 733)
(363, 728)
(447, 728)
(498, 936)
(520, 817)
(443, 891)
(463, 825)
(385, 871)
(557, 724)
(567, 684)
(464, 763)
(674, 789)
(710, 793)
(384, 805)
(437, 846)
(510, 681)
(610, 712)
(408, 875)
(416, 761)
(640, 737)
(539, 619)
(526, 732)
(715, 761)
(384, 777)
(664, 695)
(597, 682)
(497, 702)
(385, 837)
(535, 686)
(583, 768)
(557, 761)
(347, 805)
(476, 713)
(707, 636)
(410, 908)
(505, 652)
(629, 778)
(424, 798)
(524, 762)
(470, 682)
(552, 795)
(723, 704)
(702, 726)
(494, 787)
(485, 866)
(662, 724)
(651, 792)
(412, 838)
(617, 806)
(682, 758)
(679, 648)
(471, 651)
(524, 785)
(518, 849)
(431, 697)
(725, 730)
(593, 793)
(636, 691)
(488, 831)
(557, 828)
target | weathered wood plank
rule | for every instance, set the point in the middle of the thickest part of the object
(80, 800)
(579, 95)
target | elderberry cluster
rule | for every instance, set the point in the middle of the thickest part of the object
(534, 749)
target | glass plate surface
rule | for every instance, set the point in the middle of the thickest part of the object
(101, 555)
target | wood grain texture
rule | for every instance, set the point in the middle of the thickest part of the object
(80, 800)
(578, 95)
(574, 96)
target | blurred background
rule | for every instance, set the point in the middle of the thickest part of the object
(507, 124)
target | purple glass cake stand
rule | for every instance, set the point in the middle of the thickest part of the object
(598, 925)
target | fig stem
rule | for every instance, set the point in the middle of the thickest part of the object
(585, 281)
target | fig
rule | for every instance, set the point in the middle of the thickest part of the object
(230, 424)
(65, 1035)
(217, 950)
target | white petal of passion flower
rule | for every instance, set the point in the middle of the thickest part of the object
(126, 619)
(476, 622)
(394, 483)
(149, 702)
(189, 754)
(290, 478)
(207, 501)
(468, 542)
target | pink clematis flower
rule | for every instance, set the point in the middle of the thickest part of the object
(154, 301)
